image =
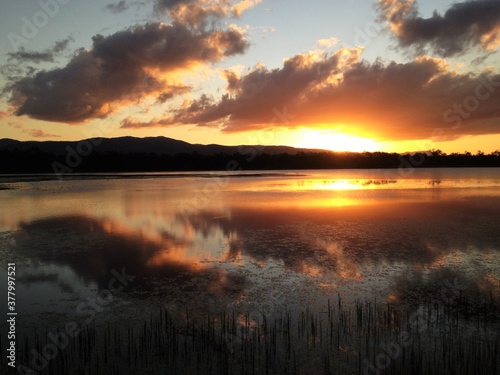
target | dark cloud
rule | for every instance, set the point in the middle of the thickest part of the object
(463, 25)
(61, 45)
(118, 69)
(31, 56)
(163, 5)
(146, 256)
(413, 100)
(172, 91)
(22, 56)
(116, 8)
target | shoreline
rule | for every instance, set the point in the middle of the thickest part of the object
(36, 177)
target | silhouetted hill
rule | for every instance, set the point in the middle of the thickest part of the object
(160, 154)
(149, 145)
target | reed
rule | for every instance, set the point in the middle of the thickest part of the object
(364, 338)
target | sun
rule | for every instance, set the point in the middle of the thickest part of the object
(334, 141)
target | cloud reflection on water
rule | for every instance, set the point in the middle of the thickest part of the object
(246, 244)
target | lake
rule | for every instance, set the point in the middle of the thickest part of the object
(260, 244)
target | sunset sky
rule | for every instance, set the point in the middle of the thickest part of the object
(336, 74)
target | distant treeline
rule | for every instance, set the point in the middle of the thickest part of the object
(36, 161)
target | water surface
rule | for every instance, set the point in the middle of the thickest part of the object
(260, 242)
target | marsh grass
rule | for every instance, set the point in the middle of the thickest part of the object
(362, 338)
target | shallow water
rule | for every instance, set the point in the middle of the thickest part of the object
(259, 242)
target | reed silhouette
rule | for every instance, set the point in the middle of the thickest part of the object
(360, 338)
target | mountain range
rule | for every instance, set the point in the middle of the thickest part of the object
(148, 145)
(161, 154)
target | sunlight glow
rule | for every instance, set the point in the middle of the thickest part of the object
(334, 185)
(334, 141)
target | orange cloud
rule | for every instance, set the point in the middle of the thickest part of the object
(491, 39)
(394, 101)
(243, 5)
(197, 13)
(120, 69)
(252, 98)
(326, 43)
(131, 123)
(38, 133)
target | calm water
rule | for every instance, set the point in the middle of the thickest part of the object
(259, 242)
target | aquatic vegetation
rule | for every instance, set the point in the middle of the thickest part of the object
(360, 338)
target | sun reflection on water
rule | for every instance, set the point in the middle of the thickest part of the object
(314, 235)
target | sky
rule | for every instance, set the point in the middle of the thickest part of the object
(346, 75)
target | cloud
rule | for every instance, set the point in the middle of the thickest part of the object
(31, 56)
(163, 5)
(61, 45)
(172, 91)
(25, 57)
(327, 43)
(15, 125)
(195, 14)
(4, 114)
(130, 123)
(121, 68)
(416, 100)
(242, 6)
(35, 57)
(199, 14)
(116, 8)
(38, 133)
(463, 26)
(265, 30)
(251, 99)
